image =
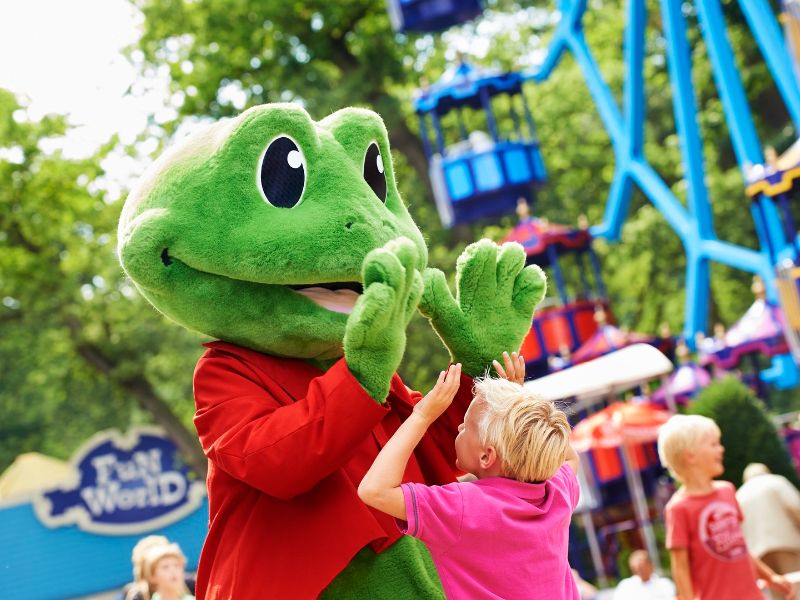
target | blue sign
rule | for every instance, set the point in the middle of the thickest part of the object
(123, 485)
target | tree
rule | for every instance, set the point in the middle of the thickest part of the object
(326, 55)
(78, 343)
(748, 434)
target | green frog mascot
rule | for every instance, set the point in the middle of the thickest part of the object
(286, 240)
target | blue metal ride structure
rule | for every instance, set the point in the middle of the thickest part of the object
(693, 223)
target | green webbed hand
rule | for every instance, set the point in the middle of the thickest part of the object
(375, 334)
(492, 311)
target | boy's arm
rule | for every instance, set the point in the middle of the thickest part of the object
(775, 581)
(380, 487)
(681, 574)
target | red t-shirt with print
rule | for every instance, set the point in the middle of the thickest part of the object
(709, 527)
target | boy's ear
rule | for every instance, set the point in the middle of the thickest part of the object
(488, 457)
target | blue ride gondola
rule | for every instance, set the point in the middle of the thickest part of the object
(483, 174)
(431, 15)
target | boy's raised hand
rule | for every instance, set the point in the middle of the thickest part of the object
(441, 396)
(514, 369)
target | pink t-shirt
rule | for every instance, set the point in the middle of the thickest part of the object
(497, 537)
(708, 526)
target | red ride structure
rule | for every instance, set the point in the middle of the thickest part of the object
(566, 323)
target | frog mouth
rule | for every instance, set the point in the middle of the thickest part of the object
(338, 297)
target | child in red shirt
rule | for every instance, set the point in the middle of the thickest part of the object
(709, 556)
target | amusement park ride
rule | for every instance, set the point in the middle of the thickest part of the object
(486, 174)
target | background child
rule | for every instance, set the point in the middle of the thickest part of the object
(505, 534)
(710, 560)
(159, 570)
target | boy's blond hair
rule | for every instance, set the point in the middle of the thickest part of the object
(679, 434)
(530, 434)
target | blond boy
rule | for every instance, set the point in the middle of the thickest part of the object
(504, 532)
(710, 560)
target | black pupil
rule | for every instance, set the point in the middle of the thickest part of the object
(282, 173)
(373, 172)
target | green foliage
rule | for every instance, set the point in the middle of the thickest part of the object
(80, 352)
(748, 434)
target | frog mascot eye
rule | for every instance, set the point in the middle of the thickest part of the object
(373, 171)
(283, 173)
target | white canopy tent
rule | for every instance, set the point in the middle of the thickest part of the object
(591, 382)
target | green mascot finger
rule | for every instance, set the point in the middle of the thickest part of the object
(405, 251)
(510, 261)
(366, 328)
(530, 288)
(370, 312)
(382, 266)
(475, 273)
(437, 301)
(408, 257)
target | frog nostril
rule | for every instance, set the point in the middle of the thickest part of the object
(165, 257)
(349, 224)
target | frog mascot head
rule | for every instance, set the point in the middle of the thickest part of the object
(256, 232)
(286, 239)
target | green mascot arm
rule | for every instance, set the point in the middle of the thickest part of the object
(375, 335)
(493, 307)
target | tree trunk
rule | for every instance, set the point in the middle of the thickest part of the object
(401, 137)
(406, 141)
(148, 400)
(185, 440)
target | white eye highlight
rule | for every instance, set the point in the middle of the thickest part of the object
(295, 159)
(379, 163)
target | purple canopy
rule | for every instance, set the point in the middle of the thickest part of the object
(759, 330)
(684, 383)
